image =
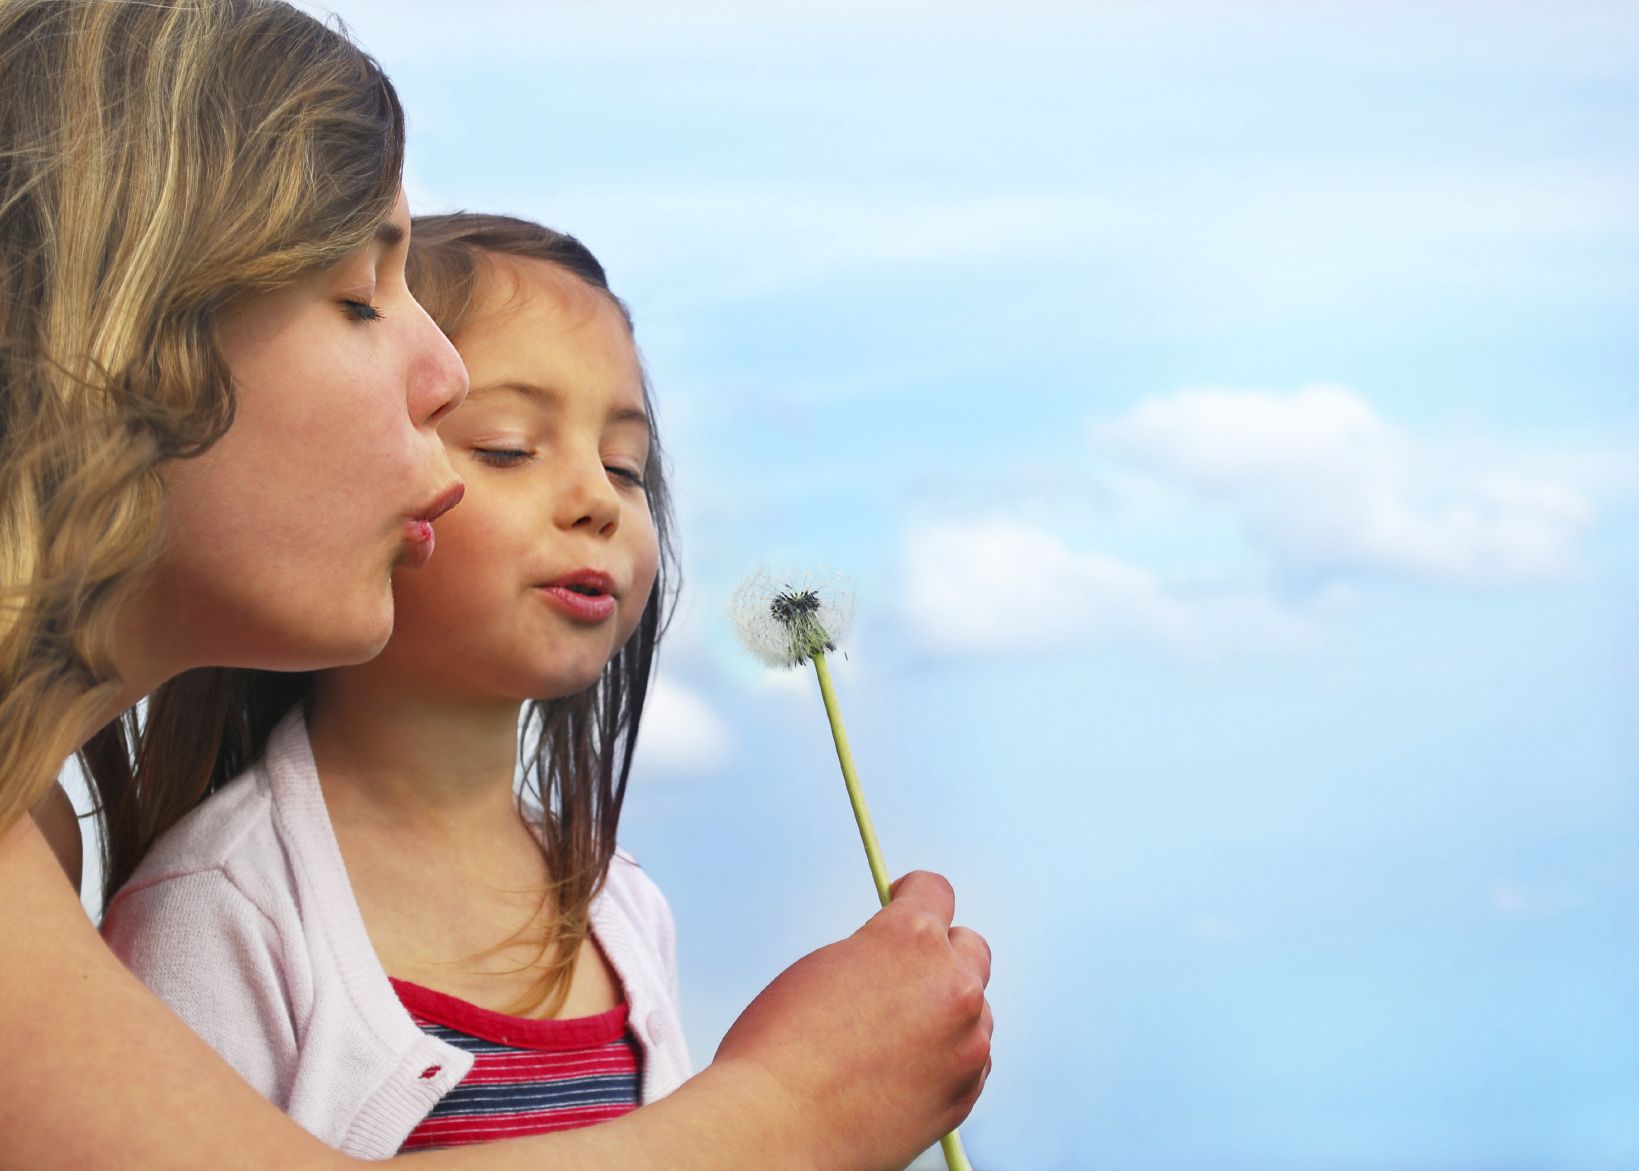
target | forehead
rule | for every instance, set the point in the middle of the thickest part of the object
(509, 287)
(533, 323)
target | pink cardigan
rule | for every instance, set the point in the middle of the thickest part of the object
(242, 920)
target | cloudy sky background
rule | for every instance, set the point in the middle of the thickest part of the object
(1227, 415)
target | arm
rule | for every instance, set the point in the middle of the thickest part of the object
(856, 1058)
(114, 1080)
(111, 1078)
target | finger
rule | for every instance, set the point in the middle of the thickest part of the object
(976, 1087)
(972, 951)
(922, 891)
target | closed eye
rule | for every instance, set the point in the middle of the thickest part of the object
(635, 479)
(361, 310)
(501, 457)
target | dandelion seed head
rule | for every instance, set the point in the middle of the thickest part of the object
(790, 607)
(787, 619)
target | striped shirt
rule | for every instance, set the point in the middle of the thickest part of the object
(528, 1076)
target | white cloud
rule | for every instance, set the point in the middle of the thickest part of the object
(1327, 490)
(1325, 493)
(681, 733)
(992, 584)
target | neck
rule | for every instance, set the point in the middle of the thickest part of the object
(408, 761)
(141, 665)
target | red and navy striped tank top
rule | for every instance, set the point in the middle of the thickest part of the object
(528, 1076)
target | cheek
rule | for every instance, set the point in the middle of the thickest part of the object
(645, 568)
(310, 438)
(251, 589)
(465, 571)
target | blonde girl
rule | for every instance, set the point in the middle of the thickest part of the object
(218, 411)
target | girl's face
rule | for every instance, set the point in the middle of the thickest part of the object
(283, 536)
(545, 569)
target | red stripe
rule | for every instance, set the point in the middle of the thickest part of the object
(538, 1054)
(520, 1032)
(461, 1131)
(500, 1069)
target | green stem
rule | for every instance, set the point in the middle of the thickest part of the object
(951, 1144)
(856, 796)
(955, 1156)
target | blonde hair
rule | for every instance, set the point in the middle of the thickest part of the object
(158, 159)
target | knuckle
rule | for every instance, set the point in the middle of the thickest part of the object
(978, 1052)
(969, 999)
(942, 884)
(928, 882)
(974, 946)
(984, 944)
(925, 929)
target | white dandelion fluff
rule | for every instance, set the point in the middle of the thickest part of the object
(787, 619)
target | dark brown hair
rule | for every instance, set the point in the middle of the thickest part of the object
(576, 751)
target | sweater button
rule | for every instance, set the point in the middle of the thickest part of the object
(654, 1028)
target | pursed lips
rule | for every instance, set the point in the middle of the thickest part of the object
(585, 595)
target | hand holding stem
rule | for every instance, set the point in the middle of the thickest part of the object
(799, 625)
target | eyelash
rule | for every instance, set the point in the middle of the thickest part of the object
(361, 310)
(501, 457)
(508, 457)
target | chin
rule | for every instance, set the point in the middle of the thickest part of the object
(562, 684)
(357, 640)
(366, 646)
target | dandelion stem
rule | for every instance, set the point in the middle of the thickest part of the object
(951, 1144)
(856, 795)
(955, 1156)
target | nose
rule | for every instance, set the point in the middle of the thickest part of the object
(438, 378)
(586, 500)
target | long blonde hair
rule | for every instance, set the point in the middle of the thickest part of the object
(158, 159)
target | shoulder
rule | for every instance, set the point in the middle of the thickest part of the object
(628, 876)
(242, 828)
(206, 901)
(233, 820)
(629, 894)
(225, 861)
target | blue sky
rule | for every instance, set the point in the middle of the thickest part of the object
(1227, 414)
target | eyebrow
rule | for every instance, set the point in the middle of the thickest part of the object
(546, 394)
(390, 234)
